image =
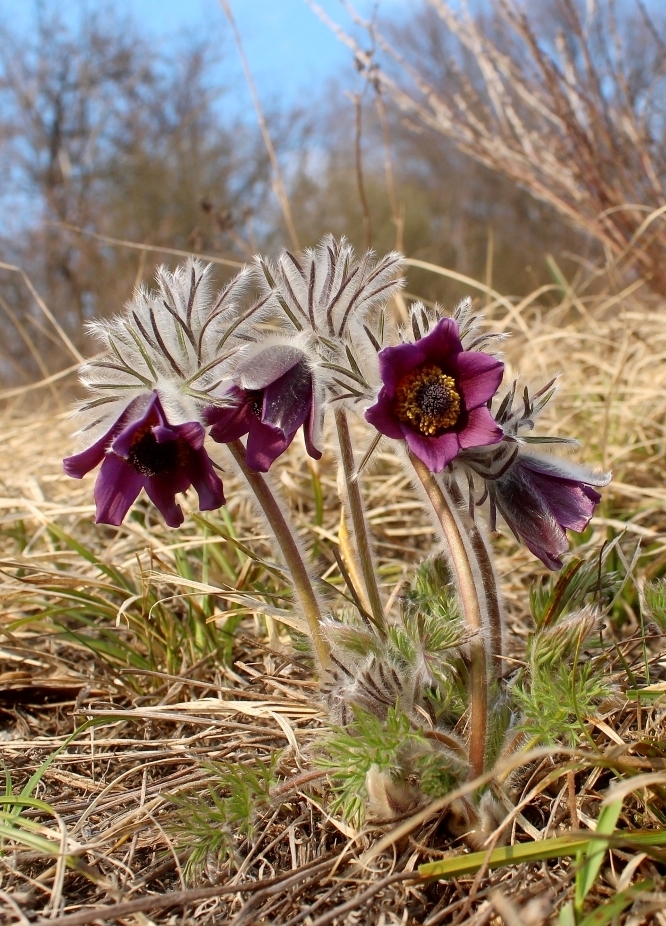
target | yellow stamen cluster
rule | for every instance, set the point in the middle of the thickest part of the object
(427, 399)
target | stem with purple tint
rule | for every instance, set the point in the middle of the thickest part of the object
(489, 582)
(460, 559)
(289, 548)
(355, 502)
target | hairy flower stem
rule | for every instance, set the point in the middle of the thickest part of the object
(357, 513)
(490, 589)
(469, 596)
(289, 548)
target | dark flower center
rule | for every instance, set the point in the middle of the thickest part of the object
(256, 402)
(427, 399)
(151, 458)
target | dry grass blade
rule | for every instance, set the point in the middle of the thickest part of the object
(149, 248)
(62, 334)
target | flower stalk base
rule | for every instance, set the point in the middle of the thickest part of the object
(489, 585)
(289, 548)
(459, 555)
(357, 513)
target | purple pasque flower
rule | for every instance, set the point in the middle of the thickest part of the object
(142, 450)
(273, 394)
(541, 497)
(434, 396)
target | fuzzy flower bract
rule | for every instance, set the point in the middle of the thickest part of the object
(174, 340)
(325, 289)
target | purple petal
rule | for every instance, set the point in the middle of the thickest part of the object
(312, 451)
(190, 431)
(229, 424)
(161, 490)
(153, 416)
(116, 490)
(119, 482)
(396, 362)
(308, 436)
(550, 560)
(435, 452)
(442, 343)
(479, 376)
(571, 500)
(563, 469)
(572, 504)
(81, 463)
(481, 429)
(381, 416)
(594, 497)
(163, 433)
(313, 424)
(539, 506)
(264, 445)
(288, 400)
(526, 512)
(205, 480)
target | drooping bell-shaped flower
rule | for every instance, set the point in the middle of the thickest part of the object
(273, 395)
(434, 396)
(541, 497)
(142, 450)
(165, 356)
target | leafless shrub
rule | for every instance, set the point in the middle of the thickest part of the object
(102, 130)
(566, 100)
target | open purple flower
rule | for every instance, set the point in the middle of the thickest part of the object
(148, 453)
(273, 395)
(541, 498)
(434, 396)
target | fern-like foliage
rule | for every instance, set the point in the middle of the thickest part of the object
(399, 699)
(559, 689)
(555, 703)
(392, 752)
(578, 583)
(208, 826)
(418, 665)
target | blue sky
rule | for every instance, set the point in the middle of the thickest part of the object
(289, 48)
